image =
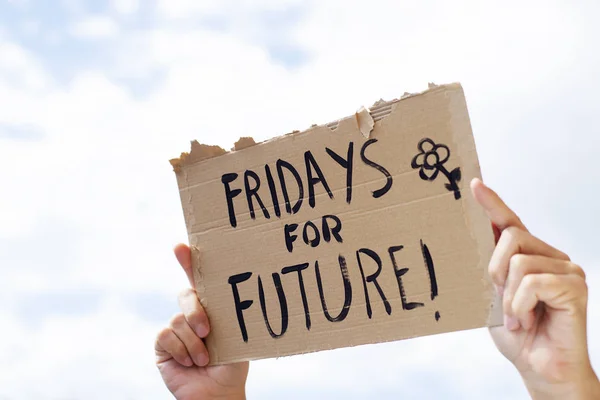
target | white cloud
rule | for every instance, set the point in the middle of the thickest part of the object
(95, 27)
(187, 8)
(81, 357)
(126, 6)
(23, 83)
(392, 367)
(19, 67)
(102, 167)
(191, 9)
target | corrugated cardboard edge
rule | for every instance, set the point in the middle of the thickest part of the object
(471, 210)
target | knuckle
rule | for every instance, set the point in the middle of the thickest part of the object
(186, 293)
(577, 270)
(494, 274)
(163, 335)
(530, 281)
(177, 321)
(584, 294)
(518, 263)
(582, 286)
(550, 280)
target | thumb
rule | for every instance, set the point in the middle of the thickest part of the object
(184, 256)
(498, 212)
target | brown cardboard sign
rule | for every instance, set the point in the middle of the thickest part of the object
(359, 231)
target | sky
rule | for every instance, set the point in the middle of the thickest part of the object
(97, 96)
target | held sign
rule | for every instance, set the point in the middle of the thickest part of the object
(360, 231)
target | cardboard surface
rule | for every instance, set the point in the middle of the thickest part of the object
(379, 240)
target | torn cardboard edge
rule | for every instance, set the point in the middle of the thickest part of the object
(365, 121)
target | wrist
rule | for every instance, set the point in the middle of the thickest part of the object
(235, 395)
(238, 396)
(232, 395)
(229, 396)
(586, 387)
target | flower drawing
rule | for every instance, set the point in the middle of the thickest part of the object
(430, 162)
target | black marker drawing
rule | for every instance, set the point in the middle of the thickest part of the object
(431, 160)
(431, 271)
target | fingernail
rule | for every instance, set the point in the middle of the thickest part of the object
(511, 323)
(201, 360)
(201, 331)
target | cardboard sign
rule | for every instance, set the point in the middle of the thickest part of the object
(360, 231)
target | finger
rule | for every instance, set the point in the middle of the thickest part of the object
(522, 265)
(168, 345)
(498, 212)
(558, 292)
(516, 241)
(193, 344)
(194, 312)
(184, 256)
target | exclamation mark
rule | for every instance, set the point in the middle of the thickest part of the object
(431, 270)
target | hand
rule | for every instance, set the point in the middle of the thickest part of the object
(545, 307)
(181, 356)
